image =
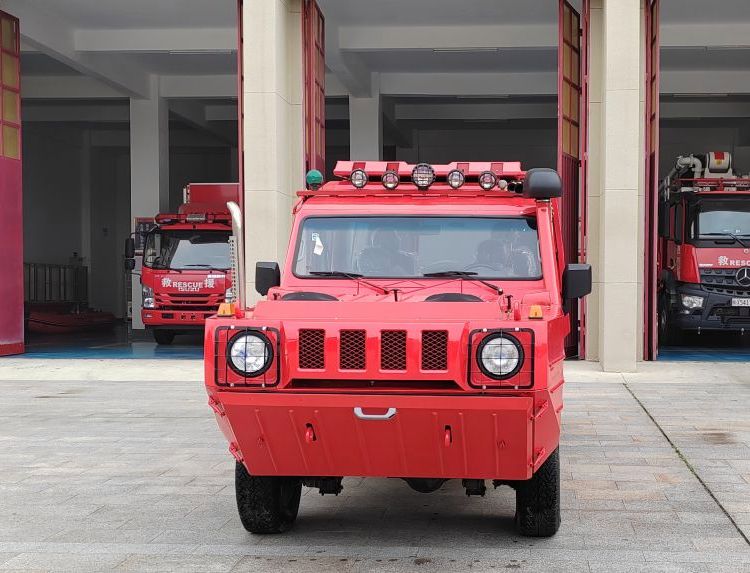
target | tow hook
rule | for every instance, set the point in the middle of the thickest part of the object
(474, 487)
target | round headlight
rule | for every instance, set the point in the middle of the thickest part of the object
(390, 180)
(500, 356)
(250, 354)
(358, 178)
(456, 178)
(487, 180)
(423, 175)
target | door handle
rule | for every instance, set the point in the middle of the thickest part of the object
(387, 416)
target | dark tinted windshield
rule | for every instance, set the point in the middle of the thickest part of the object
(494, 248)
(187, 250)
(716, 217)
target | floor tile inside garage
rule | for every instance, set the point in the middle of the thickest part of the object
(118, 465)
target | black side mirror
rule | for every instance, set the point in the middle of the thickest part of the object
(129, 248)
(267, 276)
(129, 264)
(542, 183)
(576, 281)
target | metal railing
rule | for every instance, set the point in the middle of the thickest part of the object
(55, 283)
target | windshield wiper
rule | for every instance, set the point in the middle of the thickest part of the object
(468, 275)
(353, 276)
(204, 266)
(727, 234)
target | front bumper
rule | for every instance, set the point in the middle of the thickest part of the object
(717, 312)
(469, 437)
(175, 319)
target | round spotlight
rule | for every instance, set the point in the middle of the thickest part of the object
(500, 356)
(502, 185)
(358, 178)
(390, 180)
(455, 178)
(423, 175)
(250, 354)
(487, 180)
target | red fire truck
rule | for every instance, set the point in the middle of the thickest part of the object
(704, 255)
(416, 331)
(186, 262)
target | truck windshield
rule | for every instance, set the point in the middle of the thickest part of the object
(183, 250)
(716, 218)
(403, 247)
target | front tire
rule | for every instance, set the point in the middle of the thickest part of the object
(669, 334)
(164, 336)
(266, 504)
(538, 500)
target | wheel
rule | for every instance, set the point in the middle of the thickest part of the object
(538, 500)
(668, 334)
(163, 336)
(266, 504)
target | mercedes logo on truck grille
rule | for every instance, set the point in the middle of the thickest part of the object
(743, 277)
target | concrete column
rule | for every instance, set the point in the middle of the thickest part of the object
(273, 127)
(149, 167)
(616, 202)
(366, 125)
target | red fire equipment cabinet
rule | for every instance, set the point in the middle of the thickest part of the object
(186, 262)
(704, 247)
(416, 331)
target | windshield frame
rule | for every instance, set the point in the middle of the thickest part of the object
(167, 230)
(301, 222)
(693, 211)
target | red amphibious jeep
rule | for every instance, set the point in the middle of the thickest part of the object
(416, 331)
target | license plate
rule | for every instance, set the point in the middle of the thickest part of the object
(741, 302)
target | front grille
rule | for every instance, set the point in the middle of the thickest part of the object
(732, 291)
(312, 349)
(722, 281)
(352, 350)
(393, 350)
(180, 301)
(434, 350)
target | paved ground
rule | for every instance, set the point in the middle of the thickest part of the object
(130, 474)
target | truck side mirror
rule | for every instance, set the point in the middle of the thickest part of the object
(267, 276)
(129, 264)
(129, 248)
(542, 183)
(576, 281)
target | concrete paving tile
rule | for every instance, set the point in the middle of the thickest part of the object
(63, 562)
(169, 563)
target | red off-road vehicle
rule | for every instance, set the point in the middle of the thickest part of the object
(416, 332)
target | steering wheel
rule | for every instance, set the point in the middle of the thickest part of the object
(474, 266)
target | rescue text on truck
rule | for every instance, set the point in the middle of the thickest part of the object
(704, 254)
(416, 332)
(185, 266)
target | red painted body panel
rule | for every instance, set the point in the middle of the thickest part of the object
(450, 421)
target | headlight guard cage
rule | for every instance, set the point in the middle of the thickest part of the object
(226, 375)
(522, 379)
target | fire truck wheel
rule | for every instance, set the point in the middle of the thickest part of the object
(668, 334)
(163, 336)
(538, 500)
(266, 504)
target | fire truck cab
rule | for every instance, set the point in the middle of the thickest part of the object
(704, 254)
(416, 331)
(186, 261)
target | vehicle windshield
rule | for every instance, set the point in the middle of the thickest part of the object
(721, 217)
(187, 250)
(404, 247)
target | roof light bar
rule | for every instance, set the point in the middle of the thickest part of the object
(423, 175)
(390, 180)
(487, 180)
(358, 178)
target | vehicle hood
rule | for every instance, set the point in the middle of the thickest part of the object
(725, 257)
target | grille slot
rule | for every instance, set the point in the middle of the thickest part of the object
(434, 350)
(312, 349)
(352, 350)
(393, 350)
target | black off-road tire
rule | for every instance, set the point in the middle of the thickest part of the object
(669, 335)
(266, 504)
(164, 336)
(538, 500)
